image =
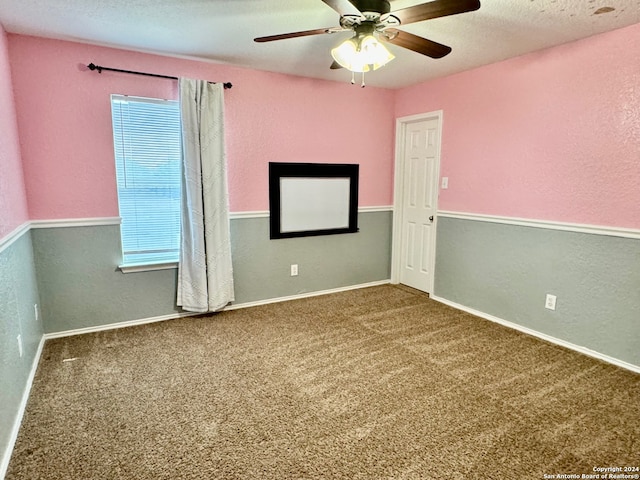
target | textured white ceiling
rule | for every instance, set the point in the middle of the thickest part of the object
(223, 31)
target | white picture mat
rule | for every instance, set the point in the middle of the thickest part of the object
(308, 204)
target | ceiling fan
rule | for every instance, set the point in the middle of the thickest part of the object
(373, 22)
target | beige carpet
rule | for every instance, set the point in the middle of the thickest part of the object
(368, 384)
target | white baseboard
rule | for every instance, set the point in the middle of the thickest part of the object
(6, 455)
(543, 336)
(113, 326)
(305, 295)
(173, 316)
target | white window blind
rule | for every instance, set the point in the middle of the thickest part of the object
(147, 143)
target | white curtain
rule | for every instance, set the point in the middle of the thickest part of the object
(205, 274)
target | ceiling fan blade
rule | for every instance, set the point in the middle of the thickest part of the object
(282, 36)
(435, 9)
(343, 7)
(335, 65)
(413, 42)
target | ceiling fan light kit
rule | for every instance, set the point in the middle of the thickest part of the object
(374, 23)
(362, 53)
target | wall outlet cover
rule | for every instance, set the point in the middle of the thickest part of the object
(550, 302)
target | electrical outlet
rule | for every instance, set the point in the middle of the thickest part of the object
(294, 270)
(550, 302)
(20, 345)
(37, 313)
(445, 183)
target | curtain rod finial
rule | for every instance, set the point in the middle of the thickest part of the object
(92, 66)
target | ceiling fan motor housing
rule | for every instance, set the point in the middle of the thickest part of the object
(378, 6)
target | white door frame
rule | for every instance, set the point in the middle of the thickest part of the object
(398, 192)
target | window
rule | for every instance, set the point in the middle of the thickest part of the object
(147, 144)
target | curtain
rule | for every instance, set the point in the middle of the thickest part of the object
(205, 273)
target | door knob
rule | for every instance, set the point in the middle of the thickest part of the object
(431, 218)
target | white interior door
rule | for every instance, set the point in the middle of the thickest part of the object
(417, 171)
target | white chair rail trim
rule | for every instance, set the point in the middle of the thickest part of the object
(265, 213)
(17, 233)
(14, 235)
(547, 224)
(76, 222)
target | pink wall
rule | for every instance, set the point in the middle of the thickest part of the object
(13, 204)
(552, 135)
(64, 118)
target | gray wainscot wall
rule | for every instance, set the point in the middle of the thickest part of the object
(502, 270)
(18, 295)
(81, 286)
(506, 271)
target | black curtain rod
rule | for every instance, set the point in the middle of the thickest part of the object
(99, 68)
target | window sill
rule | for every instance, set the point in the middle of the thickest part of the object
(147, 267)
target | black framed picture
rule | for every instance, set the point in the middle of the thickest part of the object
(308, 199)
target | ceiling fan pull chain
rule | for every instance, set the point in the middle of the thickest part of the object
(353, 78)
(362, 85)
